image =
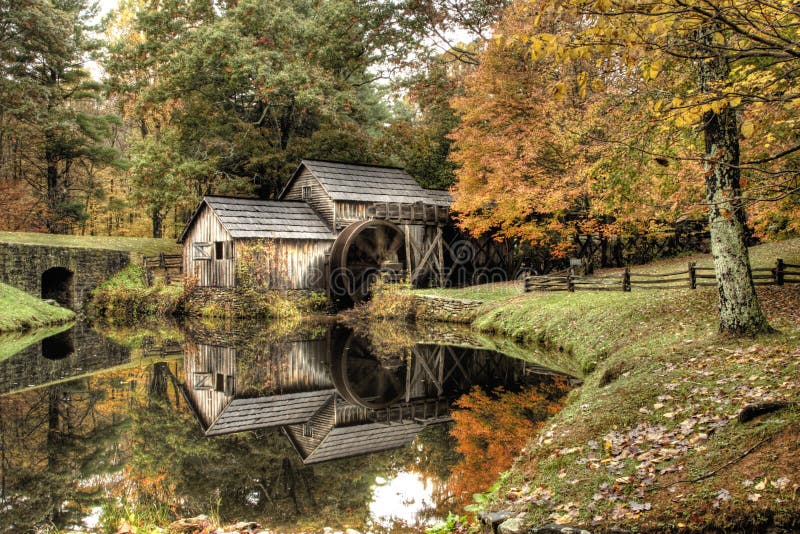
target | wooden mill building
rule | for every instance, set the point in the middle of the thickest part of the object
(335, 227)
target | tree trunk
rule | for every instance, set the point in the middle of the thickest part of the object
(157, 223)
(56, 194)
(739, 309)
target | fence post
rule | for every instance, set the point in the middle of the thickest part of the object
(626, 279)
(779, 272)
(692, 275)
(570, 281)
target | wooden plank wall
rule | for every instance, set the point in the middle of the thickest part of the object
(320, 201)
(350, 212)
(301, 366)
(213, 272)
(322, 423)
(300, 264)
(199, 359)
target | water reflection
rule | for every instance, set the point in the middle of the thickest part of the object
(296, 431)
(77, 351)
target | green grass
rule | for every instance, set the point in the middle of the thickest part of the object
(21, 311)
(486, 293)
(655, 363)
(12, 343)
(139, 245)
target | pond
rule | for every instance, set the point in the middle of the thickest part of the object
(381, 429)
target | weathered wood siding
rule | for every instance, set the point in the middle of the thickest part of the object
(211, 272)
(285, 368)
(202, 365)
(350, 212)
(320, 201)
(318, 426)
(293, 264)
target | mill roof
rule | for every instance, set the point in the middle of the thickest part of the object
(266, 412)
(255, 218)
(368, 183)
(342, 442)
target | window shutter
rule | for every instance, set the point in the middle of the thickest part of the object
(201, 251)
(202, 381)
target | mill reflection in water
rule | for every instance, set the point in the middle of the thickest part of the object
(294, 430)
(333, 397)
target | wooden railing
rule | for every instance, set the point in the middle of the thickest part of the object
(166, 349)
(170, 265)
(401, 212)
(693, 277)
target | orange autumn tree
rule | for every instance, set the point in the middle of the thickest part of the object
(534, 160)
(492, 429)
(705, 89)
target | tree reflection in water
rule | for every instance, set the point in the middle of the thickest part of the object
(127, 441)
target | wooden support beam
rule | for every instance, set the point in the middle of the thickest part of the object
(408, 382)
(423, 262)
(424, 364)
(409, 259)
(440, 254)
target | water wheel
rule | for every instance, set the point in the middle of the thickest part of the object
(362, 253)
(360, 378)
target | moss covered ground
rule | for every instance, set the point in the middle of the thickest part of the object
(126, 297)
(652, 441)
(20, 311)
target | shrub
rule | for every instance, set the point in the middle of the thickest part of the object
(126, 297)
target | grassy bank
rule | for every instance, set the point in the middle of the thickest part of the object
(143, 246)
(652, 440)
(21, 311)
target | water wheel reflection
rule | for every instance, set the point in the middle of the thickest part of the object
(362, 379)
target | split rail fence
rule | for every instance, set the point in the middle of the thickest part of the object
(692, 277)
(169, 265)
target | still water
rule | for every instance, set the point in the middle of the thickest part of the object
(381, 429)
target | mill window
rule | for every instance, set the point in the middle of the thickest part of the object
(306, 192)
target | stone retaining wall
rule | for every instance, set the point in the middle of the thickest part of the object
(22, 266)
(443, 309)
(75, 352)
(230, 301)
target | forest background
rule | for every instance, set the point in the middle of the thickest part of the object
(545, 118)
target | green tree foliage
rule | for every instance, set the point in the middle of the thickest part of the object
(53, 132)
(249, 88)
(417, 135)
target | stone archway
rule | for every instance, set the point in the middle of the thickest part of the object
(59, 346)
(58, 284)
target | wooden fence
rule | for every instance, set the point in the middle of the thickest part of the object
(692, 277)
(170, 265)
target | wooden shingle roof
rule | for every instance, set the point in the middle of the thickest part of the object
(346, 441)
(267, 412)
(369, 183)
(254, 218)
